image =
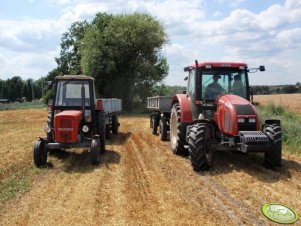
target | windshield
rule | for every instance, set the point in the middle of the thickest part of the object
(218, 81)
(69, 93)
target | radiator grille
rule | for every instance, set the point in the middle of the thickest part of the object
(65, 130)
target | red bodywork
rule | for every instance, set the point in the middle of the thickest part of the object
(222, 64)
(229, 109)
(66, 125)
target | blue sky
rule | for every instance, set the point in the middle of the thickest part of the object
(258, 32)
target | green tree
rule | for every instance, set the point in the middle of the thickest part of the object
(69, 60)
(123, 54)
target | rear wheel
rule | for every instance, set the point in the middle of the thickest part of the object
(95, 151)
(115, 124)
(272, 157)
(40, 153)
(163, 129)
(49, 135)
(199, 150)
(177, 132)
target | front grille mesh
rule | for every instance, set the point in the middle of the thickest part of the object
(67, 134)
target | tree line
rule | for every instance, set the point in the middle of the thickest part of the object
(278, 89)
(16, 89)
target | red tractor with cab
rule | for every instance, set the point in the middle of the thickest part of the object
(216, 113)
(77, 119)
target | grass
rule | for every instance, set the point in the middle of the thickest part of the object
(25, 105)
(18, 183)
(290, 123)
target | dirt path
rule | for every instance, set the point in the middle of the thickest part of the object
(141, 182)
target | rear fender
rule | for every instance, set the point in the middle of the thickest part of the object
(185, 107)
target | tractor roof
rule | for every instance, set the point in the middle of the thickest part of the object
(221, 64)
(74, 77)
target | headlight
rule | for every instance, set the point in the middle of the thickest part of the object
(47, 129)
(252, 120)
(85, 129)
(241, 120)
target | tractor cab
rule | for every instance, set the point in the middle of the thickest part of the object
(208, 81)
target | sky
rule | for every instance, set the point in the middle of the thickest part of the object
(257, 32)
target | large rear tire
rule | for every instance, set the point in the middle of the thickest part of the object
(40, 153)
(95, 151)
(273, 156)
(200, 153)
(49, 135)
(177, 132)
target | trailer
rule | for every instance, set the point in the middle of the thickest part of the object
(160, 109)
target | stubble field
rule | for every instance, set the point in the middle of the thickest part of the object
(139, 181)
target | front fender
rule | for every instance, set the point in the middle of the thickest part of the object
(185, 107)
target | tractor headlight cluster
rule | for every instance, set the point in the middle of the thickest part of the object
(241, 120)
(252, 120)
(85, 128)
(47, 129)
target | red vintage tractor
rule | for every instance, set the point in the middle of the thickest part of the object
(216, 113)
(77, 119)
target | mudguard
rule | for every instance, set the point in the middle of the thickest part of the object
(185, 106)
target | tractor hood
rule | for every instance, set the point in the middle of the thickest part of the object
(234, 114)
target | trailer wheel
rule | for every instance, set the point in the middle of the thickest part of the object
(95, 151)
(272, 157)
(177, 132)
(163, 130)
(155, 122)
(108, 131)
(200, 153)
(40, 153)
(115, 124)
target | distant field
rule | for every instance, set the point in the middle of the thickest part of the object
(291, 102)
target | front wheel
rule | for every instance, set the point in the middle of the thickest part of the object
(272, 157)
(95, 151)
(199, 149)
(40, 153)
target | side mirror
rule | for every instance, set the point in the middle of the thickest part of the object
(261, 68)
(186, 78)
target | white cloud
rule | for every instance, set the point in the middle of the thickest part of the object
(266, 37)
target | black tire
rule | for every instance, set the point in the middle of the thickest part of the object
(101, 130)
(177, 132)
(115, 124)
(95, 151)
(155, 122)
(200, 153)
(108, 131)
(163, 130)
(49, 135)
(40, 153)
(273, 156)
